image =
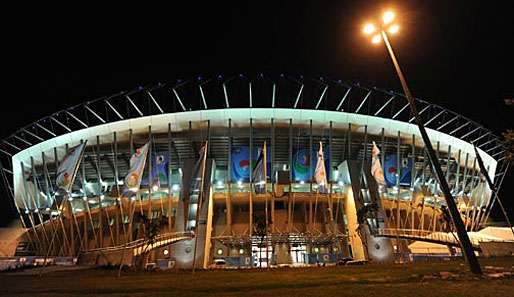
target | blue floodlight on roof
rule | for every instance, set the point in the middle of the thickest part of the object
(358, 84)
(281, 75)
(321, 78)
(199, 78)
(301, 76)
(240, 75)
(261, 75)
(219, 76)
(339, 81)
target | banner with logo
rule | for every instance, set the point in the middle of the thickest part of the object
(67, 168)
(376, 167)
(160, 165)
(391, 171)
(240, 167)
(301, 164)
(320, 174)
(133, 177)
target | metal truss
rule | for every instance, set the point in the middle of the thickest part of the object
(241, 91)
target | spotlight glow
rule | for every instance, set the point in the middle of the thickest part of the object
(388, 17)
(368, 29)
(393, 29)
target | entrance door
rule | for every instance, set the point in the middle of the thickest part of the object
(299, 254)
(259, 256)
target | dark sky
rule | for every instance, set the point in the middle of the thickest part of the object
(454, 53)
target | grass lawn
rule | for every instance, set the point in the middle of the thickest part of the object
(370, 280)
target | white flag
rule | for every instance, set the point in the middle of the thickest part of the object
(67, 168)
(376, 167)
(320, 175)
(133, 177)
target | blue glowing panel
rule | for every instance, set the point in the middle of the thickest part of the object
(390, 170)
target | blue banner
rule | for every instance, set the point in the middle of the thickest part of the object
(240, 167)
(390, 170)
(160, 165)
(301, 164)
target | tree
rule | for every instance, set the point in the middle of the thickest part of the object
(362, 219)
(508, 138)
(151, 230)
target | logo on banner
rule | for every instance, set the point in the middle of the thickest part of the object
(391, 171)
(240, 163)
(301, 164)
(132, 180)
(66, 180)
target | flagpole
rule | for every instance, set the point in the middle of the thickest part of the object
(31, 218)
(139, 183)
(266, 202)
(199, 209)
(132, 208)
(491, 186)
(59, 212)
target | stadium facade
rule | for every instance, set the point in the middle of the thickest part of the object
(378, 183)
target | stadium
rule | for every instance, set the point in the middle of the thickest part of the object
(245, 172)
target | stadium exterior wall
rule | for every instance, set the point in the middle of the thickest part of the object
(240, 117)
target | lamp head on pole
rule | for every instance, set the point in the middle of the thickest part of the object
(387, 25)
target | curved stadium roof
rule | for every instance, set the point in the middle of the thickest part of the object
(240, 91)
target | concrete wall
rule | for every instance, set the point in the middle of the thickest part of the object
(9, 239)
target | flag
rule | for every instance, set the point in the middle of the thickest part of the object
(258, 174)
(67, 169)
(195, 185)
(376, 167)
(137, 166)
(320, 175)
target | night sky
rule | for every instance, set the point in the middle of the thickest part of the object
(454, 53)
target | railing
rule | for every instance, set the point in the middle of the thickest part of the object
(423, 235)
(142, 244)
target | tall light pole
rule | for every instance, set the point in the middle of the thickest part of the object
(466, 247)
